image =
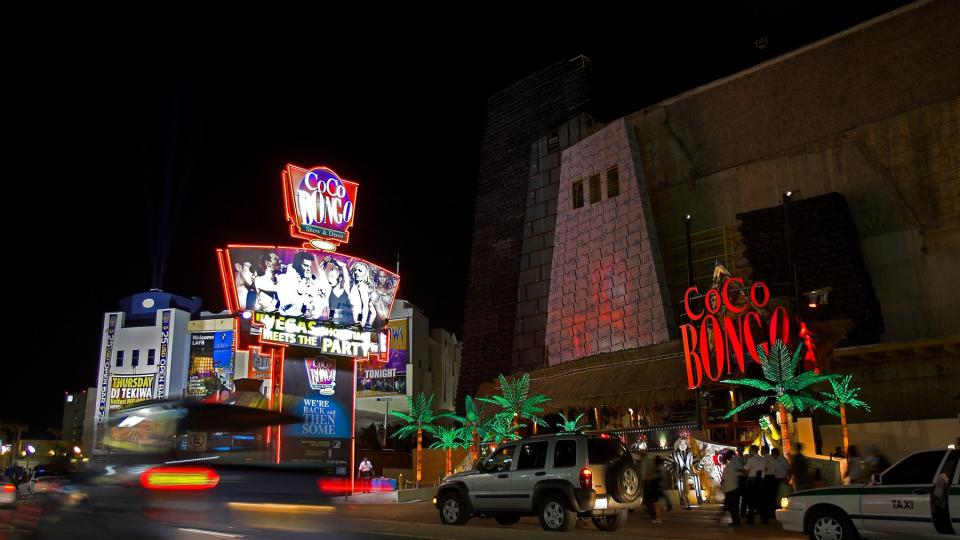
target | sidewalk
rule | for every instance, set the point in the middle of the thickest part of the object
(382, 497)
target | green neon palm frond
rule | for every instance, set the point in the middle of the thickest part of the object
(403, 416)
(404, 432)
(788, 402)
(777, 362)
(747, 404)
(808, 402)
(753, 383)
(794, 360)
(856, 403)
(807, 379)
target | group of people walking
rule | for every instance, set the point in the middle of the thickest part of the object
(751, 482)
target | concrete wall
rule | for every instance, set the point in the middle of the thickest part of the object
(536, 252)
(607, 274)
(516, 116)
(896, 439)
(871, 114)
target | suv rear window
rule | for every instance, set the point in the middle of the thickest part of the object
(604, 450)
(565, 454)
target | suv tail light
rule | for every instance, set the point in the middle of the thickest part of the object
(9, 488)
(180, 478)
(586, 478)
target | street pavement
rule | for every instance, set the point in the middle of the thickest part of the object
(362, 520)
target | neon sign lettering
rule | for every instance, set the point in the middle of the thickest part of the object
(320, 205)
(718, 343)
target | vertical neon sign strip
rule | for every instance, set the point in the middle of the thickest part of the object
(104, 390)
(164, 354)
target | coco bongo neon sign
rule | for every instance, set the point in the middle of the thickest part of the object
(319, 205)
(728, 328)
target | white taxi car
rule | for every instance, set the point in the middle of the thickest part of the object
(918, 497)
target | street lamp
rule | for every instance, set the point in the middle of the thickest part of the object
(30, 451)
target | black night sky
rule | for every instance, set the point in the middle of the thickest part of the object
(136, 146)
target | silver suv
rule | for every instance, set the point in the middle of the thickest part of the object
(558, 478)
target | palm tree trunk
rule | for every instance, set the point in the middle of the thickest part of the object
(447, 468)
(843, 429)
(475, 447)
(785, 430)
(419, 454)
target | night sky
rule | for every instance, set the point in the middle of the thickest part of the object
(134, 149)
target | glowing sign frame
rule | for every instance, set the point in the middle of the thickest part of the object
(293, 211)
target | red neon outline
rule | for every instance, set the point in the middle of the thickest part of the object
(283, 360)
(293, 218)
(353, 429)
(223, 260)
(231, 298)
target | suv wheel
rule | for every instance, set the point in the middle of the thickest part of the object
(506, 519)
(829, 524)
(555, 514)
(452, 511)
(611, 523)
(624, 478)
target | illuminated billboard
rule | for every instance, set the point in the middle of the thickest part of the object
(312, 284)
(318, 389)
(211, 364)
(129, 390)
(320, 205)
(377, 378)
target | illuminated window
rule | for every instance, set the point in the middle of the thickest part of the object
(595, 188)
(613, 182)
(119, 358)
(136, 358)
(151, 356)
(577, 192)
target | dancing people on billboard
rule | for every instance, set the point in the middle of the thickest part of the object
(246, 291)
(341, 309)
(266, 282)
(381, 296)
(360, 294)
(299, 289)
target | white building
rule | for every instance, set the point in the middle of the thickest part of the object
(144, 354)
(433, 366)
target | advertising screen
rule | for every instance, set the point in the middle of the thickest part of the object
(320, 390)
(375, 378)
(128, 390)
(211, 364)
(310, 284)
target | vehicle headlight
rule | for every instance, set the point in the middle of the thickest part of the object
(785, 503)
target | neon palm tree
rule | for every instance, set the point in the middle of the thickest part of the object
(842, 397)
(474, 423)
(501, 428)
(449, 439)
(788, 390)
(571, 425)
(419, 418)
(516, 402)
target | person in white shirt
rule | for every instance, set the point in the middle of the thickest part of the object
(756, 469)
(366, 474)
(776, 472)
(730, 485)
(739, 462)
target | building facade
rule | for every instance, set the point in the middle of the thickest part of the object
(833, 168)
